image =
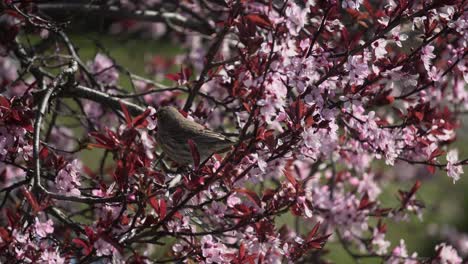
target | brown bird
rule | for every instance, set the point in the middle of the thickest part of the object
(175, 131)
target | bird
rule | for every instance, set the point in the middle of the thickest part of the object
(175, 131)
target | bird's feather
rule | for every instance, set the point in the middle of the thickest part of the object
(174, 131)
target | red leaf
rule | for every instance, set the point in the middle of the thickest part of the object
(89, 233)
(382, 227)
(251, 195)
(80, 243)
(163, 208)
(437, 152)
(415, 187)
(173, 77)
(177, 195)
(109, 141)
(186, 73)
(319, 242)
(92, 145)
(195, 153)
(309, 121)
(128, 118)
(368, 6)
(154, 203)
(140, 119)
(159, 206)
(247, 107)
(390, 99)
(242, 250)
(365, 202)
(290, 177)
(300, 109)
(260, 133)
(431, 169)
(259, 20)
(4, 234)
(89, 171)
(4, 102)
(345, 35)
(313, 232)
(419, 115)
(16, 115)
(44, 153)
(31, 199)
(315, 245)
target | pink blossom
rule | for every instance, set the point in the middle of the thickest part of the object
(453, 171)
(68, 179)
(44, 33)
(379, 48)
(217, 209)
(18, 89)
(341, 210)
(427, 54)
(148, 144)
(178, 225)
(301, 201)
(52, 257)
(153, 30)
(448, 255)
(369, 186)
(434, 74)
(358, 69)
(103, 248)
(455, 237)
(92, 109)
(379, 242)
(269, 246)
(296, 18)
(8, 70)
(354, 4)
(312, 143)
(461, 26)
(197, 50)
(10, 174)
(44, 228)
(398, 37)
(400, 255)
(212, 250)
(3, 148)
(151, 119)
(233, 200)
(104, 69)
(62, 137)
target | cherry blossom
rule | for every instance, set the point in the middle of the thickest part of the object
(213, 251)
(454, 171)
(426, 56)
(448, 254)
(44, 228)
(104, 69)
(379, 48)
(52, 257)
(400, 255)
(68, 179)
(351, 4)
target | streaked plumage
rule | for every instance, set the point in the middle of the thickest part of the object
(174, 131)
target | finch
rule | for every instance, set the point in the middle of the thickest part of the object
(175, 131)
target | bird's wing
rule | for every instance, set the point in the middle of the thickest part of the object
(211, 138)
